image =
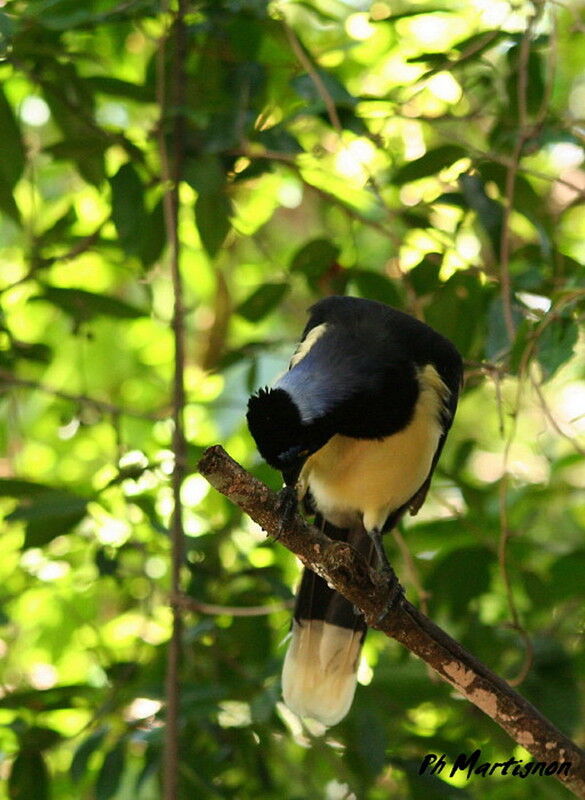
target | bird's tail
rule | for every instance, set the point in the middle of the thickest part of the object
(320, 667)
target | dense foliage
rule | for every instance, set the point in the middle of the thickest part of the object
(425, 154)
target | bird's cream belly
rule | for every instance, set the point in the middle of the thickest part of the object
(369, 478)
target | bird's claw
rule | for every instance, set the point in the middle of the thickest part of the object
(395, 592)
(286, 505)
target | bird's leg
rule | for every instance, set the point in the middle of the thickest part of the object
(395, 590)
(287, 504)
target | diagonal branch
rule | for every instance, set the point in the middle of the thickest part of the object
(347, 571)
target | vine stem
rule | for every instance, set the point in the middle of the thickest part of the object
(170, 96)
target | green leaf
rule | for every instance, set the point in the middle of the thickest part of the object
(526, 201)
(458, 310)
(62, 14)
(490, 213)
(556, 345)
(29, 777)
(34, 351)
(84, 143)
(128, 211)
(12, 161)
(205, 174)
(50, 514)
(40, 700)
(59, 230)
(551, 684)
(367, 740)
(498, 339)
(7, 203)
(83, 306)
(567, 575)
(314, 258)
(17, 487)
(154, 236)
(305, 86)
(424, 278)
(535, 86)
(432, 162)
(262, 301)
(39, 738)
(212, 215)
(245, 33)
(374, 286)
(7, 28)
(40, 532)
(54, 503)
(278, 139)
(478, 43)
(428, 786)
(446, 584)
(111, 771)
(84, 752)
(119, 88)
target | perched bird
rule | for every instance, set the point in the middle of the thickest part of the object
(356, 426)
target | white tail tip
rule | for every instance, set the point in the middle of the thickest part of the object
(320, 670)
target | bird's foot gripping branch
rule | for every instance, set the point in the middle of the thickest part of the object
(348, 572)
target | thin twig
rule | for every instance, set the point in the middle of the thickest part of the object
(171, 171)
(550, 417)
(304, 59)
(524, 133)
(503, 564)
(79, 399)
(413, 575)
(191, 604)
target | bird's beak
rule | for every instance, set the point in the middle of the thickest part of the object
(292, 462)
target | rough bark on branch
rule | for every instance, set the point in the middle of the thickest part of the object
(347, 571)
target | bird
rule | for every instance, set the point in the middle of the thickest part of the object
(356, 425)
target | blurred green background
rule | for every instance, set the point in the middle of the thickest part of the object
(429, 155)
